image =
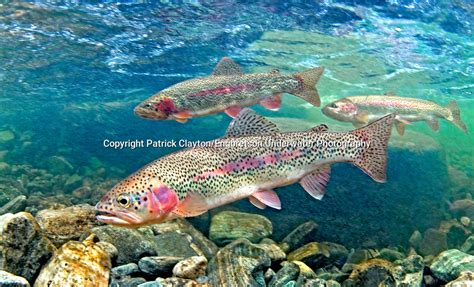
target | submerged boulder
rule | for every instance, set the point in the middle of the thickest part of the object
(132, 244)
(11, 280)
(227, 226)
(466, 279)
(320, 255)
(299, 236)
(65, 224)
(24, 249)
(191, 268)
(449, 265)
(240, 263)
(158, 265)
(206, 246)
(77, 264)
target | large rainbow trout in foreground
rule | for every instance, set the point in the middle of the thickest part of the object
(361, 110)
(227, 90)
(248, 162)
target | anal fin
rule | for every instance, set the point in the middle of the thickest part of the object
(267, 197)
(434, 124)
(315, 183)
(233, 111)
(272, 103)
(193, 204)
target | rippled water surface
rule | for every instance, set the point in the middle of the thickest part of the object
(72, 71)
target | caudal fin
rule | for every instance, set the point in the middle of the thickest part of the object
(456, 116)
(308, 91)
(373, 160)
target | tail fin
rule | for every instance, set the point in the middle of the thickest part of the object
(308, 92)
(373, 160)
(456, 116)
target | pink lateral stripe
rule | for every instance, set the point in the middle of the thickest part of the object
(249, 163)
(224, 90)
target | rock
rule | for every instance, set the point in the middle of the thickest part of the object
(410, 272)
(466, 221)
(177, 282)
(76, 264)
(208, 248)
(416, 239)
(11, 280)
(305, 273)
(434, 241)
(299, 236)
(390, 254)
(124, 270)
(82, 192)
(15, 205)
(66, 224)
(321, 283)
(320, 255)
(466, 279)
(176, 244)
(191, 268)
(59, 165)
(4, 167)
(158, 265)
(273, 251)
(108, 248)
(227, 226)
(127, 282)
(449, 264)
(73, 182)
(6, 136)
(132, 244)
(468, 245)
(269, 274)
(375, 272)
(23, 246)
(150, 284)
(456, 233)
(240, 263)
(288, 272)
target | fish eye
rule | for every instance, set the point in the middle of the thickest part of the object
(148, 105)
(124, 200)
(333, 105)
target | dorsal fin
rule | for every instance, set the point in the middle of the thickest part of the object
(319, 129)
(248, 122)
(227, 67)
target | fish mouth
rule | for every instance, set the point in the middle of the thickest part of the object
(149, 114)
(119, 218)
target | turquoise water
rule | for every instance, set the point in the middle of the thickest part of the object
(71, 73)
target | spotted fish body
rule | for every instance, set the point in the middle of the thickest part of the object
(361, 110)
(228, 90)
(251, 160)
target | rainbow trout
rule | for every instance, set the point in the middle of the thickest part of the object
(250, 161)
(361, 110)
(228, 89)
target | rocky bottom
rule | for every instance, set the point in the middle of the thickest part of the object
(67, 247)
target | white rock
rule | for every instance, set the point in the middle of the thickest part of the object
(191, 268)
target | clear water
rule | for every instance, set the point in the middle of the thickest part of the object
(72, 71)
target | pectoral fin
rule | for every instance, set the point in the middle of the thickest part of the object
(400, 127)
(362, 117)
(182, 116)
(272, 103)
(268, 198)
(434, 124)
(193, 204)
(315, 183)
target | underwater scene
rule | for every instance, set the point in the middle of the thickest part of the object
(237, 143)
